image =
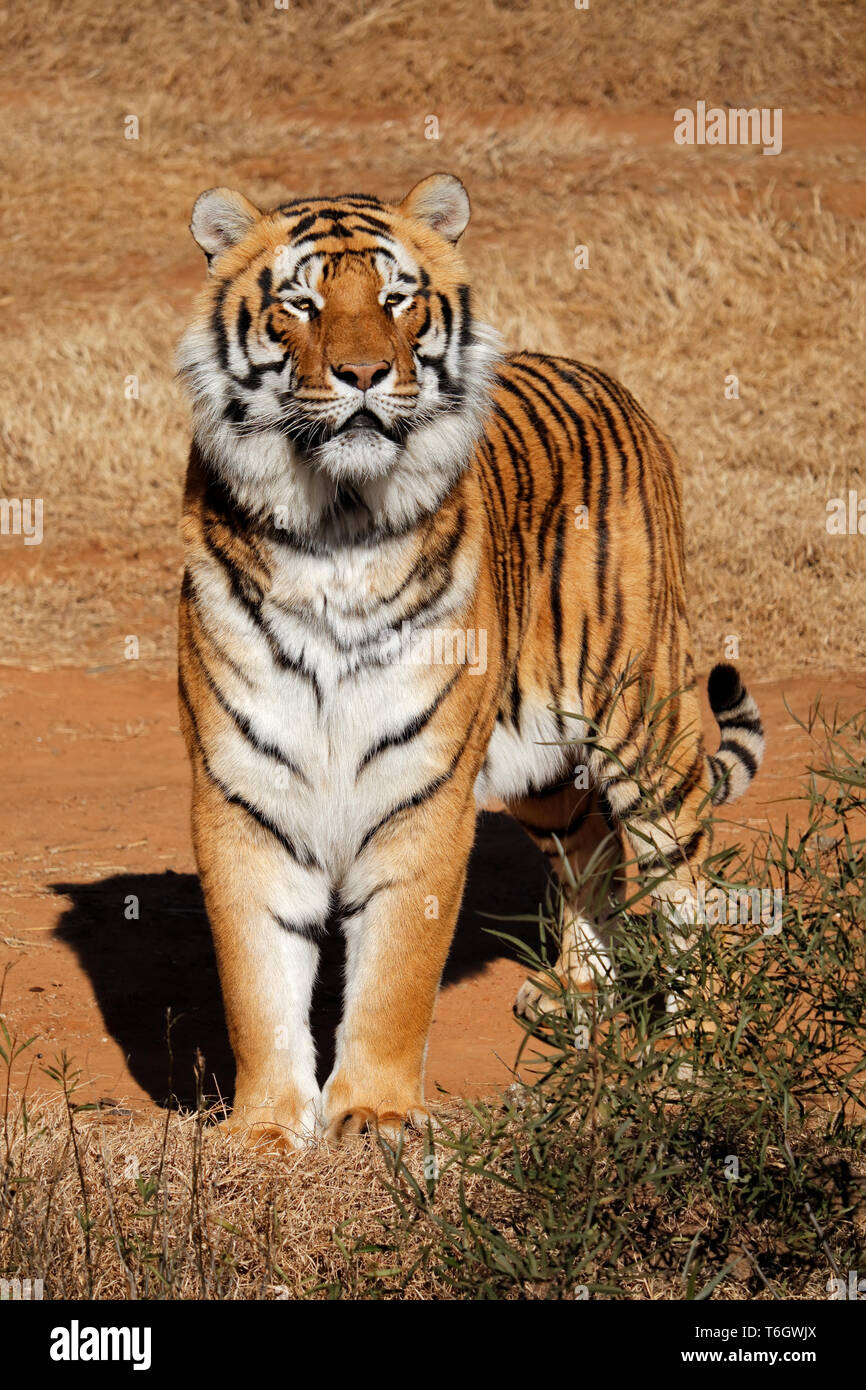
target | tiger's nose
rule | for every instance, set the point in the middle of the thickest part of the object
(362, 374)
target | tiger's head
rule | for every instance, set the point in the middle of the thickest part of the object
(334, 364)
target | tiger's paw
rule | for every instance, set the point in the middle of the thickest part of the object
(537, 998)
(573, 986)
(386, 1124)
(272, 1129)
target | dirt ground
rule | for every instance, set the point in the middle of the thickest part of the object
(702, 263)
(94, 825)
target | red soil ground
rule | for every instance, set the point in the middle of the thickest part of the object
(96, 811)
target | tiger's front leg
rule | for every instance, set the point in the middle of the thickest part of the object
(403, 904)
(266, 912)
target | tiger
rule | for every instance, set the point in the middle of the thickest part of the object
(422, 575)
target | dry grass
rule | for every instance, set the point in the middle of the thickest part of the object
(173, 1209)
(699, 266)
(632, 54)
(169, 1208)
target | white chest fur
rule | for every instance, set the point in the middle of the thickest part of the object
(341, 668)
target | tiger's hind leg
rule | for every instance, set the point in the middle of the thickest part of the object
(588, 867)
(656, 785)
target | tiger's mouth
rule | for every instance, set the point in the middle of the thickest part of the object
(364, 422)
(365, 426)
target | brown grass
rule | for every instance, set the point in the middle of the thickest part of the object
(702, 263)
(166, 1207)
(632, 54)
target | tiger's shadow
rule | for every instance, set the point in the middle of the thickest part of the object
(164, 959)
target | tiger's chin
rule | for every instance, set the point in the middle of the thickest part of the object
(357, 456)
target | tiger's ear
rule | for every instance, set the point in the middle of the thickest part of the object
(442, 202)
(220, 219)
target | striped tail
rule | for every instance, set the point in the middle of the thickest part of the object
(740, 752)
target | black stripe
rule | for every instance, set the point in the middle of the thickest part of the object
(601, 557)
(620, 817)
(745, 722)
(426, 792)
(304, 224)
(611, 818)
(447, 317)
(515, 699)
(616, 628)
(410, 730)
(562, 832)
(566, 415)
(188, 593)
(675, 798)
(244, 588)
(308, 931)
(243, 724)
(731, 745)
(556, 615)
(719, 774)
(242, 324)
(552, 789)
(551, 451)
(677, 854)
(301, 854)
(366, 222)
(424, 325)
(518, 458)
(240, 584)
(345, 913)
(463, 295)
(584, 653)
